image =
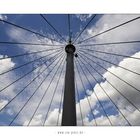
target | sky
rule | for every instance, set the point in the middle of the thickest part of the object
(122, 114)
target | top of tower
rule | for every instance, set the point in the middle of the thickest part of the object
(70, 48)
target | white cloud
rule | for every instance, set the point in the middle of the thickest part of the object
(131, 78)
(83, 17)
(126, 33)
(52, 118)
(3, 103)
(3, 17)
(126, 108)
(116, 120)
(22, 36)
(50, 121)
(134, 96)
(95, 112)
(131, 114)
(10, 111)
(5, 64)
(109, 21)
(129, 32)
(36, 121)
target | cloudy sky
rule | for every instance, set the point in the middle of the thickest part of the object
(108, 90)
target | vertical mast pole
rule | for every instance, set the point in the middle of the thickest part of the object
(69, 107)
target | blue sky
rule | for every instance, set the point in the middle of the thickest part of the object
(60, 22)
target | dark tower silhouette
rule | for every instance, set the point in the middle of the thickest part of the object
(69, 107)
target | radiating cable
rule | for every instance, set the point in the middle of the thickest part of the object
(111, 85)
(78, 96)
(25, 74)
(45, 19)
(54, 91)
(99, 101)
(111, 43)
(23, 64)
(26, 29)
(61, 101)
(103, 52)
(28, 85)
(112, 73)
(113, 103)
(69, 27)
(110, 62)
(41, 100)
(29, 44)
(85, 94)
(93, 16)
(32, 95)
(29, 53)
(112, 28)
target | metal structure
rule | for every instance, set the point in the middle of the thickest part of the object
(84, 70)
(69, 109)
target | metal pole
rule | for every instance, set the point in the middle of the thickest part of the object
(69, 107)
